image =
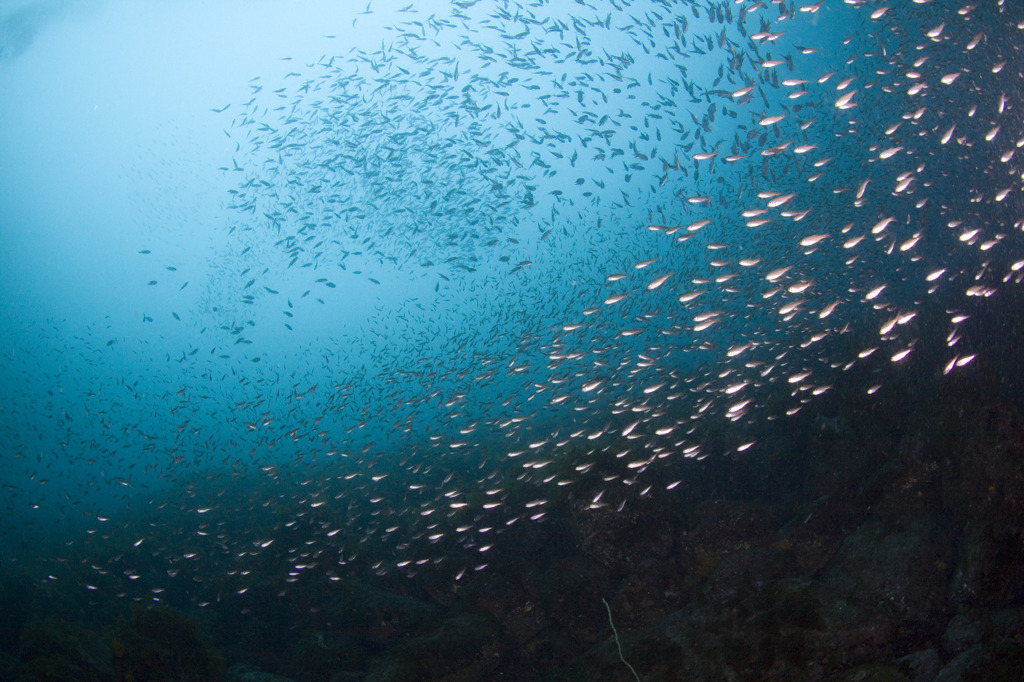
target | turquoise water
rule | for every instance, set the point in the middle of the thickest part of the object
(386, 284)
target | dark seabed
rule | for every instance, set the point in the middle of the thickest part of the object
(484, 340)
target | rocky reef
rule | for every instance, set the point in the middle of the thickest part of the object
(873, 538)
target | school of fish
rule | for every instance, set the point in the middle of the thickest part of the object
(648, 231)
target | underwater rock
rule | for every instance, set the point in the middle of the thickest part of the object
(782, 630)
(868, 673)
(899, 562)
(619, 539)
(838, 489)
(972, 628)
(462, 648)
(55, 650)
(921, 666)
(962, 632)
(653, 591)
(244, 673)
(159, 644)
(514, 600)
(347, 677)
(989, 571)
(719, 528)
(570, 583)
(322, 653)
(994, 661)
(377, 617)
(745, 569)
(15, 603)
(8, 666)
(983, 489)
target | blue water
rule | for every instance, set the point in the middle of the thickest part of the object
(265, 264)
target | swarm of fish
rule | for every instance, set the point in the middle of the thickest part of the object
(621, 224)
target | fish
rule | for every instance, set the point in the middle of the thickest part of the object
(503, 193)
